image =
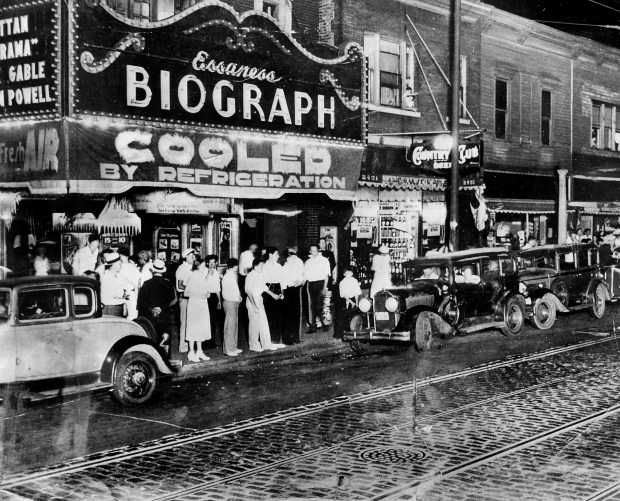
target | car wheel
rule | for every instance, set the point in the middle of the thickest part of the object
(450, 312)
(514, 317)
(423, 332)
(597, 308)
(544, 313)
(135, 378)
(360, 346)
(561, 291)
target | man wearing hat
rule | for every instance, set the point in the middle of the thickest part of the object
(293, 281)
(156, 297)
(182, 275)
(113, 287)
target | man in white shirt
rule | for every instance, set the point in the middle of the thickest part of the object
(85, 259)
(349, 293)
(317, 271)
(130, 272)
(273, 305)
(245, 260)
(113, 287)
(182, 275)
(292, 283)
(231, 298)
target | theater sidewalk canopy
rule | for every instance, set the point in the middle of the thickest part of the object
(207, 100)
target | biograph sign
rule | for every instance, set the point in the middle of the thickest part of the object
(29, 65)
(209, 66)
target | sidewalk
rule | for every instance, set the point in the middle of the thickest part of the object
(318, 343)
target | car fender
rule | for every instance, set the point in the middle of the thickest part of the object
(411, 315)
(134, 343)
(541, 292)
(592, 287)
(501, 303)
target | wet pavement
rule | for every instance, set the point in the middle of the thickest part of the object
(541, 425)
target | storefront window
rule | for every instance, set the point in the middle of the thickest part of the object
(605, 126)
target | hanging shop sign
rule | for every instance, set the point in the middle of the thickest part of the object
(209, 66)
(33, 156)
(29, 59)
(112, 161)
(179, 202)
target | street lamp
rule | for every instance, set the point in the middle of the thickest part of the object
(456, 78)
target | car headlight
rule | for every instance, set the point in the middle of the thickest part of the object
(364, 304)
(522, 288)
(444, 288)
(391, 304)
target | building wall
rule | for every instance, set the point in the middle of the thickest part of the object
(530, 62)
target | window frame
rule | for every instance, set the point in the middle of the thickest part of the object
(606, 134)
(93, 297)
(504, 111)
(30, 321)
(546, 119)
(129, 7)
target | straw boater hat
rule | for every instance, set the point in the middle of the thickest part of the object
(111, 257)
(187, 252)
(383, 249)
(159, 266)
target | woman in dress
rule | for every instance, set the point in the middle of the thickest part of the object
(198, 319)
(382, 278)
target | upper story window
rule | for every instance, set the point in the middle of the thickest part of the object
(463, 89)
(139, 10)
(501, 108)
(280, 10)
(605, 126)
(391, 73)
(545, 117)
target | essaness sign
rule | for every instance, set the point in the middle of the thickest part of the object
(209, 67)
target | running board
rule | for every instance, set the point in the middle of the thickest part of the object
(480, 327)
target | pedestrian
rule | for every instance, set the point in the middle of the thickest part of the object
(245, 261)
(131, 274)
(245, 265)
(231, 298)
(85, 259)
(156, 299)
(113, 287)
(273, 302)
(181, 276)
(145, 262)
(258, 328)
(41, 263)
(382, 278)
(317, 272)
(214, 287)
(329, 255)
(349, 292)
(586, 238)
(293, 281)
(198, 316)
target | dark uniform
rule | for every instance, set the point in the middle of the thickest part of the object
(157, 292)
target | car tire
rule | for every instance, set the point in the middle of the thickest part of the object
(450, 312)
(544, 313)
(360, 346)
(423, 332)
(561, 291)
(514, 317)
(135, 378)
(597, 307)
(148, 327)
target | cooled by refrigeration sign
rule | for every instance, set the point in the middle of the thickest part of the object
(28, 59)
(209, 66)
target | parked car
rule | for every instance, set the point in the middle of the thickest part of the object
(52, 327)
(457, 292)
(562, 278)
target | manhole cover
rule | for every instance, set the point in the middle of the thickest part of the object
(384, 455)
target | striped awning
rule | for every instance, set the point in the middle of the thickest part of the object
(521, 206)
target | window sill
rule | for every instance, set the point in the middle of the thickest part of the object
(394, 111)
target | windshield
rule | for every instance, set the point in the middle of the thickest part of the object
(537, 261)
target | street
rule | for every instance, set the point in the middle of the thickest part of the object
(479, 417)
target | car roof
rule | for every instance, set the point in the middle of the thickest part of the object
(47, 280)
(557, 247)
(452, 256)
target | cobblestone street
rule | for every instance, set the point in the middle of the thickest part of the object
(541, 426)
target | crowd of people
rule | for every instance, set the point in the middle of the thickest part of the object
(258, 294)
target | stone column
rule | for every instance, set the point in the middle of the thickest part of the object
(562, 206)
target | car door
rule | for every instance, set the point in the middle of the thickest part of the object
(7, 338)
(45, 346)
(566, 282)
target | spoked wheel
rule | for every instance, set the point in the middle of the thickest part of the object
(597, 309)
(356, 324)
(544, 313)
(135, 378)
(514, 317)
(423, 332)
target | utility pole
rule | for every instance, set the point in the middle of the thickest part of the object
(456, 80)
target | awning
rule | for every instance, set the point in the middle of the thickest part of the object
(521, 206)
(596, 208)
(81, 222)
(117, 217)
(8, 205)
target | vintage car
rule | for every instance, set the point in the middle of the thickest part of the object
(51, 328)
(457, 292)
(561, 278)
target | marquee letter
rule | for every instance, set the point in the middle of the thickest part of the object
(300, 109)
(134, 155)
(184, 97)
(279, 107)
(215, 152)
(176, 149)
(322, 111)
(318, 160)
(217, 99)
(286, 158)
(251, 99)
(248, 163)
(133, 83)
